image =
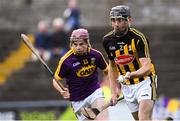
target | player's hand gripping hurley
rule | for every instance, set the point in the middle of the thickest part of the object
(26, 40)
(122, 79)
(91, 113)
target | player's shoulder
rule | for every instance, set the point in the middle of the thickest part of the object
(95, 52)
(136, 32)
(109, 34)
(107, 37)
(139, 35)
(67, 55)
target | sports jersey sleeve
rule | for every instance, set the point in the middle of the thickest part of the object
(62, 70)
(143, 48)
(106, 47)
(101, 63)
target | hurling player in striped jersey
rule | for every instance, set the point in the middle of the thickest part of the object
(79, 68)
(130, 64)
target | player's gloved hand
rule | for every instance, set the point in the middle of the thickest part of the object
(122, 79)
(65, 93)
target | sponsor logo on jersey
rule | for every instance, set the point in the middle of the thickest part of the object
(86, 71)
(120, 43)
(75, 64)
(124, 59)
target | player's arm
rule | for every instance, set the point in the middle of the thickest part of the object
(56, 86)
(64, 93)
(60, 73)
(144, 58)
(102, 64)
(113, 75)
(105, 73)
(144, 70)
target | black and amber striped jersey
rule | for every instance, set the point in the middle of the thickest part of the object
(126, 51)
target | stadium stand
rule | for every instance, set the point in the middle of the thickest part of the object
(7, 37)
(15, 60)
(32, 82)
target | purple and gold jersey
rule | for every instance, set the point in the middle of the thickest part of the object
(81, 72)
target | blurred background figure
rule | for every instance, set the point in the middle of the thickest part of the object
(59, 38)
(42, 41)
(72, 16)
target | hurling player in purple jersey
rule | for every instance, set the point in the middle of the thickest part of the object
(79, 68)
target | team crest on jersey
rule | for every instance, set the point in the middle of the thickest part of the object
(92, 60)
(86, 71)
(124, 59)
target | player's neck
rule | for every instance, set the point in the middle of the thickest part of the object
(121, 34)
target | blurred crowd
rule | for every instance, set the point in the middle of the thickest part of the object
(167, 108)
(51, 38)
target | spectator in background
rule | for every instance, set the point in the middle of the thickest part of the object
(72, 16)
(42, 41)
(59, 38)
